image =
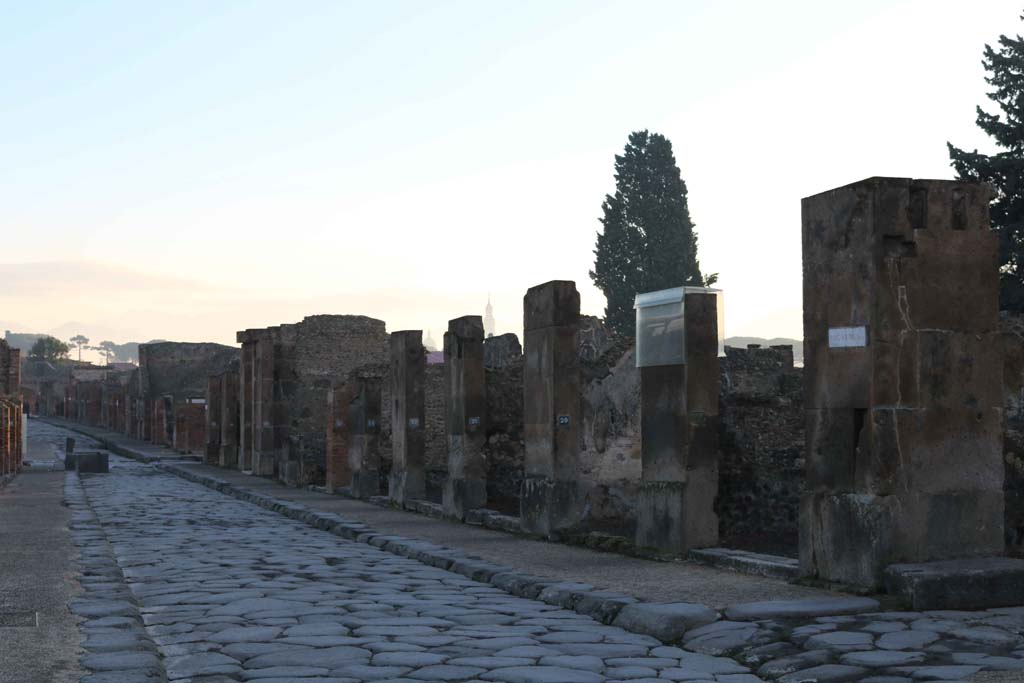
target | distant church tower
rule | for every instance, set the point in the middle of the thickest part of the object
(429, 344)
(488, 319)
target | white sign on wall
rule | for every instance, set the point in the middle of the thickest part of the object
(847, 337)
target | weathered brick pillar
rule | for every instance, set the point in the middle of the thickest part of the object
(679, 434)
(466, 411)
(551, 500)
(338, 472)
(245, 403)
(408, 362)
(229, 412)
(214, 417)
(264, 455)
(364, 414)
(903, 378)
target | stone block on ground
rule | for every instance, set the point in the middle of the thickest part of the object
(93, 462)
(977, 583)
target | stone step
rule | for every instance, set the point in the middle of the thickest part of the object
(758, 564)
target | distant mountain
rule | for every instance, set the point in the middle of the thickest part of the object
(743, 342)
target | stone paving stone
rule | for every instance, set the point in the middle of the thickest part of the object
(798, 662)
(840, 641)
(800, 608)
(542, 674)
(945, 673)
(826, 673)
(906, 640)
(882, 658)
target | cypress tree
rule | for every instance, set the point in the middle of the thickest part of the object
(648, 242)
(1005, 169)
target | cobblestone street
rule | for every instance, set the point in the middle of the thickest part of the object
(184, 583)
(231, 592)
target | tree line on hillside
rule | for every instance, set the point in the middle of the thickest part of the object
(49, 348)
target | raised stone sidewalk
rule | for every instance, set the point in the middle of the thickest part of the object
(645, 580)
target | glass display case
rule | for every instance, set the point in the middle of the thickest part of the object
(661, 329)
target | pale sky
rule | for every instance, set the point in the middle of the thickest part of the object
(184, 170)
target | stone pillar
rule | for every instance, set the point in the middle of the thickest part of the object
(903, 378)
(229, 415)
(408, 363)
(551, 501)
(282, 395)
(465, 416)
(245, 403)
(214, 418)
(364, 414)
(679, 434)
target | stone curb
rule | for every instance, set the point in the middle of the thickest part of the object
(107, 612)
(658, 619)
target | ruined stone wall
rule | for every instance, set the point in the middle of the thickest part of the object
(611, 454)
(1011, 327)
(327, 348)
(181, 369)
(10, 370)
(501, 349)
(761, 466)
(503, 450)
(435, 447)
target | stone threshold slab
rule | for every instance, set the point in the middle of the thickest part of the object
(667, 621)
(975, 583)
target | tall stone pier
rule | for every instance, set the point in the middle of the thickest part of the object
(679, 386)
(214, 418)
(466, 411)
(229, 416)
(551, 501)
(903, 378)
(408, 364)
(245, 402)
(364, 415)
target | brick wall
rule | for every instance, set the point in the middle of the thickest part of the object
(327, 349)
(190, 427)
(10, 370)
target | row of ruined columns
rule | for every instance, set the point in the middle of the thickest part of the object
(904, 396)
(680, 478)
(11, 436)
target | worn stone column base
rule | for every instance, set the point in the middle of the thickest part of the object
(365, 484)
(463, 495)
(850, 538)
(847, 538)
(669, 523)
(263, 465)
(290, 472)
(549, 508)
(407, 485)
(228, 461)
